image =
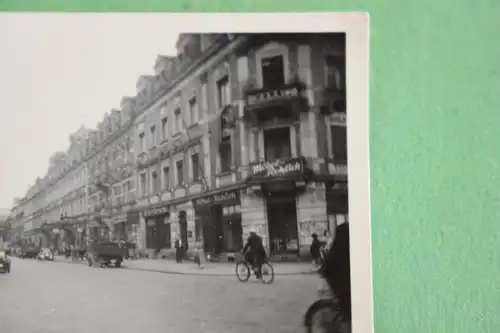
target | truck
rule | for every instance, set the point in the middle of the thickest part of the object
(105, 254)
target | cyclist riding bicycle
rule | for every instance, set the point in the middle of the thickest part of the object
(254, 251)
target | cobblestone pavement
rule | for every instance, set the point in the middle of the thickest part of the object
(56, 297)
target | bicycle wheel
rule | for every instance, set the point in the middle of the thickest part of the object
(267, 271)
(324, 316)
(242, 271)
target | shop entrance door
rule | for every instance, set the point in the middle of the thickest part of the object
(183, 229)
(282, 222)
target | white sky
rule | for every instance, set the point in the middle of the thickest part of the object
(60, 71)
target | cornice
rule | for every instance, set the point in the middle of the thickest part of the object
(216, 47)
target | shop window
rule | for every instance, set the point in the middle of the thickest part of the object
(277, 144)
(339, 144)
(273, 72)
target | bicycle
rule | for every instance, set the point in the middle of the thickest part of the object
(324, 315)
(244, 271)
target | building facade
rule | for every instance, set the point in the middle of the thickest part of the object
(243, 132)
(237, 132)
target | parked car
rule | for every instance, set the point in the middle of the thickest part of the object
(29, 252)
(106, 254)
(45, 254)
(5, 263)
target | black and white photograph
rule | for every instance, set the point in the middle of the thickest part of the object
(185, 173)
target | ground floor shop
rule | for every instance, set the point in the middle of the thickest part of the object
(284, 213)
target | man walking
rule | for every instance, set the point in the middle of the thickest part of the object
(178, 250)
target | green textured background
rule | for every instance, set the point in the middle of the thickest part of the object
(435, 131)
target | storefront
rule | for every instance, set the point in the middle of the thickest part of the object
(337, 203)
(132, 227)
(119, 221)
(279, 184)
(158, 228)
(218, 221)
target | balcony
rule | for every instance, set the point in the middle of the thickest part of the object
(286, 101)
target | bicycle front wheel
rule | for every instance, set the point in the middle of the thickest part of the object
(242, 271)
(267, 271)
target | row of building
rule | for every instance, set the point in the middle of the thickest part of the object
(235, 132)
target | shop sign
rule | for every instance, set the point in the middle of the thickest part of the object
(218, 198)
(278, 168)
(156, 211)
(272, 95)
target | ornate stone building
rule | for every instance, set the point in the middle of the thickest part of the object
(236, 132)
(243, 132)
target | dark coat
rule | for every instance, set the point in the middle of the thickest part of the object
(316, 248)
(337, 267)
(255, 245)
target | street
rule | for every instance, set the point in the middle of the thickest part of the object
(61, 297)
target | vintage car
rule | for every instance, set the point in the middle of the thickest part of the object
(45, 254)
(29, 252)
(105, 254)
(5, 262)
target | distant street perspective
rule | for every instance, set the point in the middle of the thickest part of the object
(61, 297)
(215, 199)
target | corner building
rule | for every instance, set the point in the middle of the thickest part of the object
(243, 131)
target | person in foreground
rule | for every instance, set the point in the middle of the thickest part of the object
(254, 251)
(337, 269)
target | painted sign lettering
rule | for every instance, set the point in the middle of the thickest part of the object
(272, 95)
(156, 211)
(277, 168)
(218, 198)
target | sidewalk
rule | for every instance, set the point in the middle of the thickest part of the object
(210, 269)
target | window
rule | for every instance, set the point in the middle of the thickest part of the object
(223, 92)
(166, 178)
(273, 72)
(153, 136)
(335, 71)
(193, 110)
(155, 182)
(225, 154)
(180, 172)
(142, 142)
(277, 144)
(164, 128)
(178, 121)
(117, 194)
(339, 144)
(143, 184)
(195, 164)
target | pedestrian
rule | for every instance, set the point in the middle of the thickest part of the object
(200, 253)
(316, 250)
(178, 250)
